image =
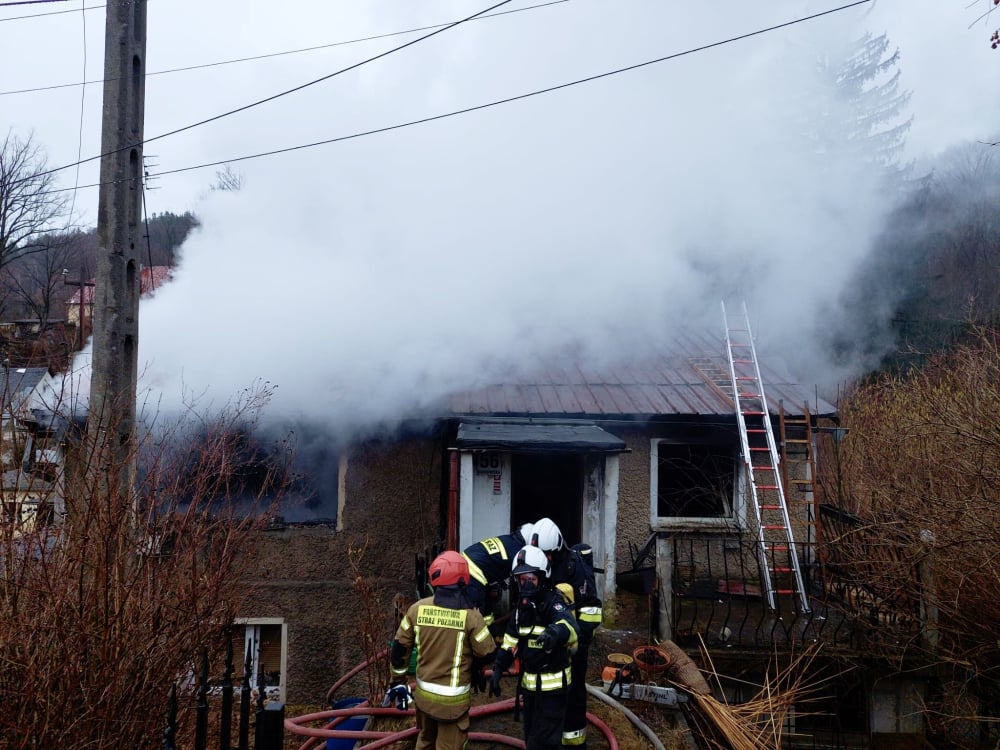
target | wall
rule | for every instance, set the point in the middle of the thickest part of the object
(303, 573)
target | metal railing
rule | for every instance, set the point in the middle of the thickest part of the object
(860, 591)
(268, 717)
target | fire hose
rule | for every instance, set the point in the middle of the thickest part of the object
(383, 739)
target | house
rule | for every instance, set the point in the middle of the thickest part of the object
(151, 278)
(642, 460)
(22, 389)
(25, 501)
(646, 454)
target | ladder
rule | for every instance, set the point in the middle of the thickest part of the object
(796, 441)
(781, 571)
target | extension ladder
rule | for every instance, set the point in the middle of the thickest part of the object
(781, 571)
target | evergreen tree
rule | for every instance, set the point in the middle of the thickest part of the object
(862, 116)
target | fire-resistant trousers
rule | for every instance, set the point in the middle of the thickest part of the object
(544, 714)
(441, 735)
(574, 733)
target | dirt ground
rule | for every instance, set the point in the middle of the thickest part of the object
(665, 723)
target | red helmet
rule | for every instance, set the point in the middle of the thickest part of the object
(448, 569)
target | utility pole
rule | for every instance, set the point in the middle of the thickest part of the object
(83, 301)
(111, 421)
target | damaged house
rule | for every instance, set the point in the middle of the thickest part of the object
(645, 462)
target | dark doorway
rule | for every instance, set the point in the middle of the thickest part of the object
(548, 485)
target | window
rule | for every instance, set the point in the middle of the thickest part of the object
(265, 638)
(694, 484)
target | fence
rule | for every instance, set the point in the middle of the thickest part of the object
(853, 580)
(268, 717)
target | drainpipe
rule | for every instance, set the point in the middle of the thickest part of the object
(452, 520)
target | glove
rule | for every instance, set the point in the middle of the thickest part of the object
(547, 641)
(478, 681)
(495, 682)
(398, 695)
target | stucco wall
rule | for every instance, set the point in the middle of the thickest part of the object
(304, 576)
(633, 496)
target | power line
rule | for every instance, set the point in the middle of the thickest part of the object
(280, 94)
(281, 53)
(518, 97)
(49, 13)
(29, 2)
(83, 100)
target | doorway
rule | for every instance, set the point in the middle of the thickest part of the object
(548, 485)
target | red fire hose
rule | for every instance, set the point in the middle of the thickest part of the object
(382, 739)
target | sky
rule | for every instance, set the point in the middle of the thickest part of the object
(365, 277)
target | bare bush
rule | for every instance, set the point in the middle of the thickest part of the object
(921, 467)
(102, 613)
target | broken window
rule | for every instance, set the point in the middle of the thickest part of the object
(693, 482)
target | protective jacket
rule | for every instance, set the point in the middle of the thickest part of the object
(448, 638)
(489, 565)
(547, 612)
(489, 560)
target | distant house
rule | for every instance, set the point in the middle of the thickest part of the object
(21, 390)
(151, 278)
(25, 501)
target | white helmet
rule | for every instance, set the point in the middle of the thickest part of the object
(525, 531)
(531, 559)
(546, 536)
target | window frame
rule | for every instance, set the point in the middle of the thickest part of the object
(734, 520)
(255, 623)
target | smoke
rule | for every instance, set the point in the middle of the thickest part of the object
(367, 279)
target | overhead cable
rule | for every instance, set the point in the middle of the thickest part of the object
(518, 97)
(271, 98)
(498, 102)
(281, 53)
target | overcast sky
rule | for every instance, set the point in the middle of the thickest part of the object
(367, 275)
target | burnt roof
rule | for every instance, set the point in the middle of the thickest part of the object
(688, 378)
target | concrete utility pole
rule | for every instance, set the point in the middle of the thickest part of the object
(119, 230)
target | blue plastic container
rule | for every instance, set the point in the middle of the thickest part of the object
(356, 723)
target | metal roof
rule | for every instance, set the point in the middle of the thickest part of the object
(691, 378)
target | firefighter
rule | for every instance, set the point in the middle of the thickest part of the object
(452, 636)
(544, 633)
(489, 567)
(573, 567)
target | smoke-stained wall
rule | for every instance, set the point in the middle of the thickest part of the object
(303, 572)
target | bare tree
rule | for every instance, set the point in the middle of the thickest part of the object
(36, 280)
(29, 207)
(228, 180)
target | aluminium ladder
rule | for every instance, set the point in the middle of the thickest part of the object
(781, 571)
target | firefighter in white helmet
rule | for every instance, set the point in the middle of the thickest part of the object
(452, 636)
(489, 567)
(573, 567)
(544, 633)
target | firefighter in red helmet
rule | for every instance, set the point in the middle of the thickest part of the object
(452, 635)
